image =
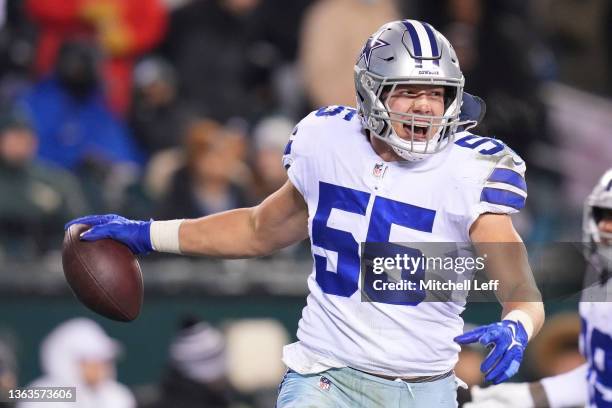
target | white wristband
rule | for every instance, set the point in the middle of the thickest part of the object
(518, 315)
(165, 236)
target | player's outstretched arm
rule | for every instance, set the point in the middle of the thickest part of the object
(280, 220)
(523, 311)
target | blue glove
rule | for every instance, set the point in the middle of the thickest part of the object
(508, 339)
(136, 235)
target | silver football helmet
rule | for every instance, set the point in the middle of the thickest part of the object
(409, 52)
(597, 204)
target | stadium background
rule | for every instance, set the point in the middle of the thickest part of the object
(182, 108)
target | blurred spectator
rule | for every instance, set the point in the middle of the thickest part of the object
(215, 47)
(158, 118)
(275, 54)
(17, 38)
(581, 124)
(78, 353)
(254, 357)
(123, 29)
(36, 198)
(78, 132)
(8, 372)
(578, 33)
(270, 137)
(196, 375)
(70, 116)
(332, 35)
(209, 181)
(160, 170)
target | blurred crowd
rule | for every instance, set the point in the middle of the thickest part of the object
(233, 365)
(237, 365)
(182, 108)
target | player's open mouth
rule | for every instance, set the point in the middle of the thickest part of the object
(418, 132)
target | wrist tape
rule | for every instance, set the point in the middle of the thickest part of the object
(165, 236)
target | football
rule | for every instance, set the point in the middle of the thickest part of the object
(104, 275)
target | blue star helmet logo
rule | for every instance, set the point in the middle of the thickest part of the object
(373, 43)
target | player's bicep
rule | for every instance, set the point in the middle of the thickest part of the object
(490, 227)
(282, 218)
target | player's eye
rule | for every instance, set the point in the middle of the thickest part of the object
(406, 93)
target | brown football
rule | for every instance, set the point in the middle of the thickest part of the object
(104, 275)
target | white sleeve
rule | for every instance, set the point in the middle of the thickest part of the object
(297, 154)
(568, 389)
(295, 162)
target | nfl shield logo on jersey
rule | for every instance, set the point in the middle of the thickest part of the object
(379, 170)
(324, 383)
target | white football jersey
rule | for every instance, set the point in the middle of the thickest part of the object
(596, 342)
(353, 196)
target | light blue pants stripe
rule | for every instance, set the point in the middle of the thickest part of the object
(349, 388)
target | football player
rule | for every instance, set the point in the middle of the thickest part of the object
(400, 168)
(591, 383)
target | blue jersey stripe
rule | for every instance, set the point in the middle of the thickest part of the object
(288, 147)
(502, 197)
(414, 36)
(509, 177)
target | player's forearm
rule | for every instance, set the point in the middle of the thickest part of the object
(520, 298)
(495, 238)
(280, 220)
(230, 234)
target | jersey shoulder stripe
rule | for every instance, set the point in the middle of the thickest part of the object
(508, 176)
(502, 197)
(501, 173)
